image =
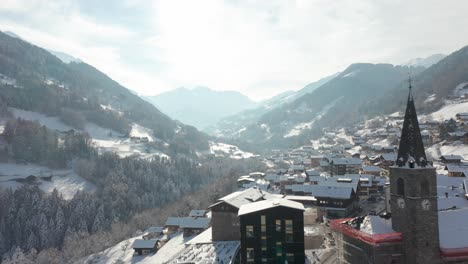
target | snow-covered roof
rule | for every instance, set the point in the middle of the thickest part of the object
(457, 134)
(371, 168)
(237, 199)
(346, 161)
(453, 232)
(268, 204)
(389, 156)
(452, 157)
(197, 213)
(374, 224)
(319, 190)
(154, 229)
(215, 252)
(188, 222)
(200, 222)
(451, 167)
(300, 198)
(145, 244)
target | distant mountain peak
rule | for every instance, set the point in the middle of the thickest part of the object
(425, 62)
(200, 106)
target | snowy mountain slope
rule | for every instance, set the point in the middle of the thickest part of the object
(46, 85)
(230, 126)
(296, 122)
(425, 62)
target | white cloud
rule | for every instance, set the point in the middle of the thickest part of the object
(257, 47)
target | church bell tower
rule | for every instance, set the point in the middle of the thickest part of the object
(413, 194)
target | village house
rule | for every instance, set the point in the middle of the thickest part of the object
(189, 225)
(451, 159)
(457, 136)
(372, 170)
(272, 231)
(224, 219)
(457, 170)
(462, 117)
(340, 166)
(153, 232)
(336, 200)
(315, 160)
(142, 246)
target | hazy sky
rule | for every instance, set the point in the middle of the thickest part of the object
(259, 48)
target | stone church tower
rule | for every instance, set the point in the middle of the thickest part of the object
(413, 190)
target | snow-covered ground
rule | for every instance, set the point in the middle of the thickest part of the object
(66, 182)
(123, 253)
(437, 150)
(226, 150)
(449, 111)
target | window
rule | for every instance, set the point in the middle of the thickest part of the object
(264, 260)
(290, 257)
(249, 231)
(279, 249)
(424, 188)
(278, 225)
(289, 230)
(250, 255)
(400, 187)
(263, 225)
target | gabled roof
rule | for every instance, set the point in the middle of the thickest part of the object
(188, 222)
(144, 244)
(346, 161)
(154, 229)
(268, 204)
(237, 199)
(325, 191)
(452, 157)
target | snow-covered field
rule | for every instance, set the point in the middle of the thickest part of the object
(436, 150)
(226, 150)
(449, 111)
(66, 182)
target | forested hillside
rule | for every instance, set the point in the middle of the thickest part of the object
(30, 219)
(35, 80)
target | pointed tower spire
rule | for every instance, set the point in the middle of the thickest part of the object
(411, 151)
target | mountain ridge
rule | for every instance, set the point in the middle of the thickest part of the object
(200, 106)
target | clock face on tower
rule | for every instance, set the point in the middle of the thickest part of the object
(425, 204)
(401, 203)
